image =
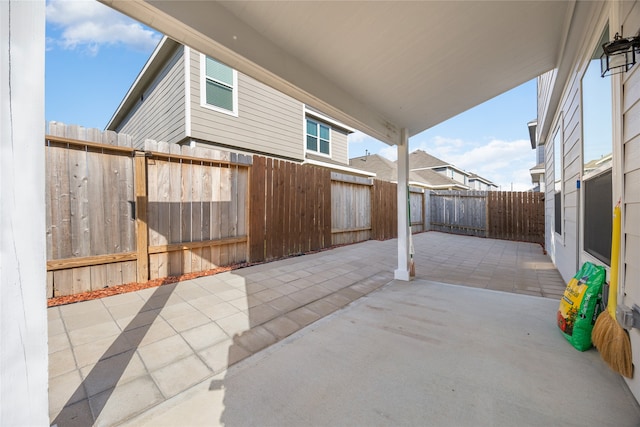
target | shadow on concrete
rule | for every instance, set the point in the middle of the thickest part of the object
(105, 375)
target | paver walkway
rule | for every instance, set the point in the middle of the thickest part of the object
(114, 358)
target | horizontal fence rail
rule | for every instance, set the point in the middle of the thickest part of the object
(516, 216)
(494, 214)
(290, 209)
(459, 212)
(116, 215)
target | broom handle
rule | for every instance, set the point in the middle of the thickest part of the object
(615, 254)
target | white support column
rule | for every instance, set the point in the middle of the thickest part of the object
(402, 273)
(23, 314)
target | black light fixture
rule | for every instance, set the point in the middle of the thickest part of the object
(618, 55)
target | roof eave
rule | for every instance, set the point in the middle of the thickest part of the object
(160, 54)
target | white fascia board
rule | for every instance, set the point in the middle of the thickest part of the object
(338, 167)
(327, 119)
(216, 32)
(481, 179)
(143, 74)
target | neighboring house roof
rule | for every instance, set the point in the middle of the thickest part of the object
(595, 164)
(387, 170)
(419, 159)
(153, 66)
(325, 162)
(384, 168)
(438, 180)
(476, 177)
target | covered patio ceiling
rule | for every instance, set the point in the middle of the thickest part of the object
(378, 66)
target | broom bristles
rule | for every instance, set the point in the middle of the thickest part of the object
(601, 329)
(613, 343)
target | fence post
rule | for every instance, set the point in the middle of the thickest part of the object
(142, 231)
(487, 200)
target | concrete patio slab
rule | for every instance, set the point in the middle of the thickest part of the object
(423, 353)
(117, 366)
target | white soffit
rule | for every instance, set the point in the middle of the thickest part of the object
(375, 66)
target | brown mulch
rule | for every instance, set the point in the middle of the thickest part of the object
(132, 287)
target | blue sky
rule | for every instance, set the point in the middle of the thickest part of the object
(95, 53)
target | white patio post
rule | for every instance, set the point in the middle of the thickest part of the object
(402, 273)
(23, 314)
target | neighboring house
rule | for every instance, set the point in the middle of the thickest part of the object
(184, 97)
(421, 161)
(387, 170)
(476, 182)
(589, 127)
(537, 172)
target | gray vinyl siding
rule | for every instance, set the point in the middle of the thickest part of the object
(564, 250)
(630, 17)
(268, 121)
(339, 144)
(160, 114)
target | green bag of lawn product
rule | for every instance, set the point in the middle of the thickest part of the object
(580, 305)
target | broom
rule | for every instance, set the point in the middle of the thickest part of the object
(611, 340)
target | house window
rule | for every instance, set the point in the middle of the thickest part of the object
(557, 178)
(597, 147)
(220, 84)
(318, 137)
(598, 220)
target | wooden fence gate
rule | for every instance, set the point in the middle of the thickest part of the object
(459, 212)
(116, 215)
(495, 214)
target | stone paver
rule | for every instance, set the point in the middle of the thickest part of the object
(114, 358)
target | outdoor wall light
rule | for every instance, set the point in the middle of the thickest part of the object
(618, 55)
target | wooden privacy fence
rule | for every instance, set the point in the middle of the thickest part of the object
(90, 233)
(197, 209)
(290, 209)
(495, 214)
(516, 216)
(365, 208)
(459, 212)
(116, 215)
(350, 208)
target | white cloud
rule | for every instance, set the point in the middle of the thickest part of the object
(390, 152)
(358, 137)
(88, 24)
(506, 163)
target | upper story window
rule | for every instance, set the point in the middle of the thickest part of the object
(318, 137)
(219, 86)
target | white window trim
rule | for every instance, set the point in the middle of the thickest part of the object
(558, 137)
(607, 163)
(187, 91)
(319, 122)
(203, 90)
